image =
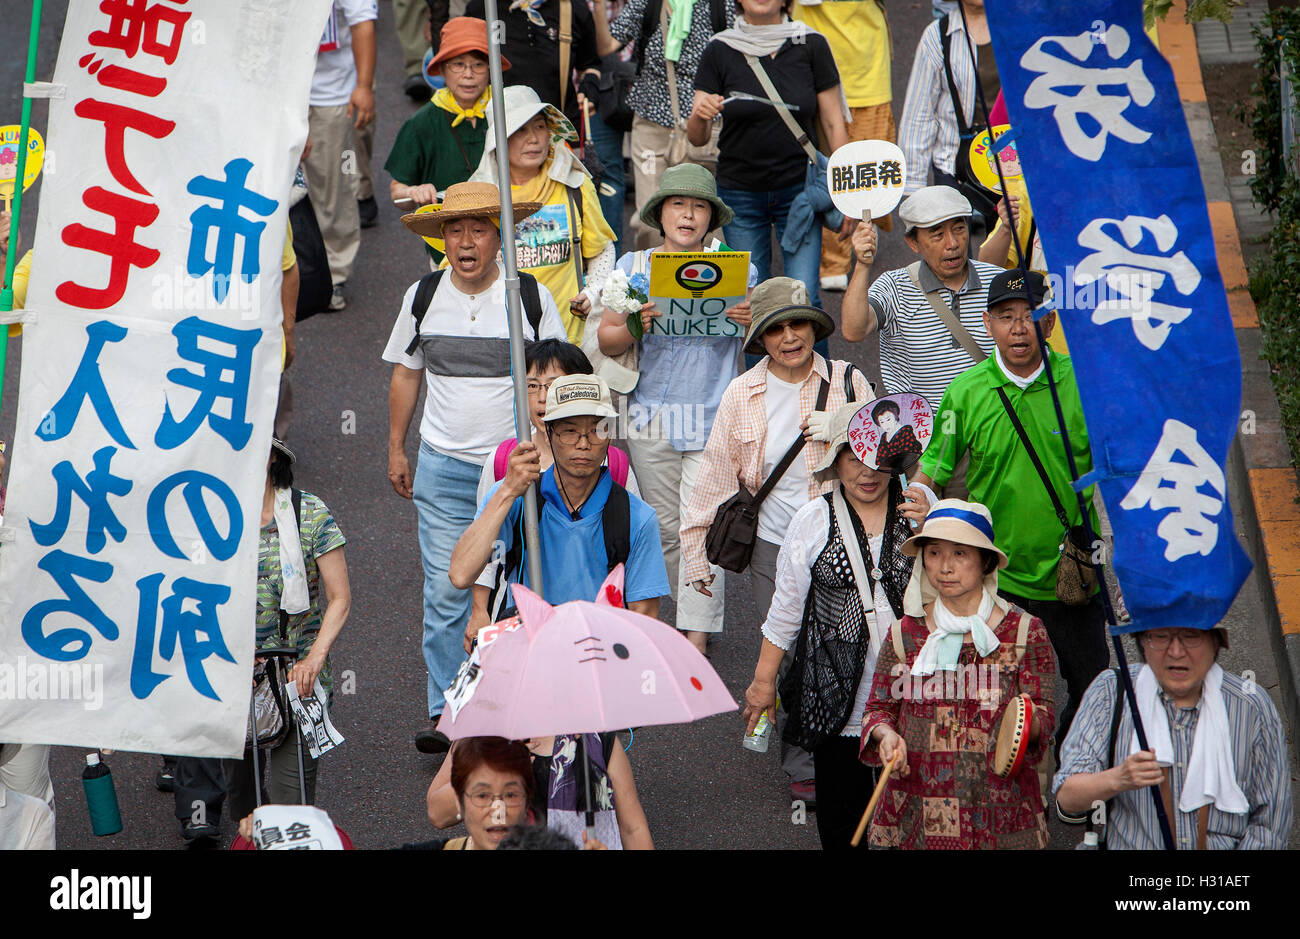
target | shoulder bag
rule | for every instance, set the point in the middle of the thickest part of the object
(730, 542)
(948, 317)
(1076, 579)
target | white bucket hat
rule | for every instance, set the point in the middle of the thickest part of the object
(967, 523)
(839, 431)
(521, 104)
(578, 396)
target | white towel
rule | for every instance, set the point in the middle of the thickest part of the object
(294, 596)
(1211, 774)
(943, 646)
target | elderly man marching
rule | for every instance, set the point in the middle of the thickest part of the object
(1218, 751)
(453, 326)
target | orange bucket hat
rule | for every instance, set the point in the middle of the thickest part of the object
(459, 35)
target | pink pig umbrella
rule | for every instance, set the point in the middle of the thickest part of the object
(580, 668)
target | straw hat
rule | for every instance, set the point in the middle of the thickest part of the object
(459, 35)
(278, 444)
(693, 182)
(777, 300)
(967, 523)
(464, 200)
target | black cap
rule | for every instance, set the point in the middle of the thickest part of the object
(1011, 285)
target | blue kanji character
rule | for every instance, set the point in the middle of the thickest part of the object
(229, 223)
(210, 384)
(68, 644)
(87, 382)
(197, 631)
(195, 483)
(100, 483)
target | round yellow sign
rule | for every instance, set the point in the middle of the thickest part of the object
(982, 156)
(10, 138)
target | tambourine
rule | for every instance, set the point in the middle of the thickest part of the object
(1013, 737)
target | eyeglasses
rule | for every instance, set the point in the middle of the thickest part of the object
(481, 799)
(537, 387)
(1006, 319)
(569, 435)
(1161, 641)
(462, 68)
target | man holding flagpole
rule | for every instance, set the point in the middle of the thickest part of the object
(459, 334)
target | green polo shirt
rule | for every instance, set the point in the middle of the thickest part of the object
(429, 150)
(1001, 475)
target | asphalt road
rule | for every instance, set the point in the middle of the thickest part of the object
(699, 787)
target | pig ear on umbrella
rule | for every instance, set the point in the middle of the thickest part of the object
(533, 610)
(611, 591)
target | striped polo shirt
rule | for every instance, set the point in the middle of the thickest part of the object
(917, 352)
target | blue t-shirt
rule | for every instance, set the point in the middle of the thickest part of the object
(684, 377)
(574, 564)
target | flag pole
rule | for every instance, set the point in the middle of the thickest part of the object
(1022, 264)
(518, 371)
(7, 293)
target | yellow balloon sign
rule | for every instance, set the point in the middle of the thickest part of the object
(982, 156)
(10, 138)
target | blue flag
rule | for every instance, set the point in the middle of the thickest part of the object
(1116, 191)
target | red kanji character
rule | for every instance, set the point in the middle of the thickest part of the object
(128, 214)
(133, 24)
(124, 79)
(117, 119)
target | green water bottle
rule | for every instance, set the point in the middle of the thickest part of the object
(101, 797)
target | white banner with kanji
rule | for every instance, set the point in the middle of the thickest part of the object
(150, 368)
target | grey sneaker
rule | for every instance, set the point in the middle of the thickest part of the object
(336, 299)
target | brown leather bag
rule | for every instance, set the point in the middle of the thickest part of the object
(730, 542)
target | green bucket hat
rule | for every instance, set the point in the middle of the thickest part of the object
(694, 182)
(778, 300)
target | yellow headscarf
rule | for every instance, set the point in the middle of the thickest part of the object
(444, 99)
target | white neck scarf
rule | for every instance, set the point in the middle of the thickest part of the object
(1016, 379)
(1211, 776)
(294, 596)
(748, 39)
(943, 646)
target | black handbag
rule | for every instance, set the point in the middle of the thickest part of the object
(730, 542)
(616, 80)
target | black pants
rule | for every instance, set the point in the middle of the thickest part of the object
(1078, 635)
(844, 787)
(200, 789)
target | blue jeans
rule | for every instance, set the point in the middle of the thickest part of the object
(751, 230)
(609, 147)
(444, 494)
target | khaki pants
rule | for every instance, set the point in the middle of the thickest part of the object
(666, 477)
(332, 186)
(410, 16)
(649, 152)
(873, 123)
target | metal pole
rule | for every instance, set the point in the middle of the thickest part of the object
(523, 420)
(1126, 681)
(7, 293)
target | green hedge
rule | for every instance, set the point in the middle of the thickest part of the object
(1275, 277)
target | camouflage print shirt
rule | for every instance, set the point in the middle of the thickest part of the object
(320, 535)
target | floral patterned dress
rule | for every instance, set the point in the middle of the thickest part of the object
(951, 798)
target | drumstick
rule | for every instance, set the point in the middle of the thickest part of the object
(875, 797)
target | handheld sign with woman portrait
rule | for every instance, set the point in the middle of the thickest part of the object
(890, 433)
(866, 177)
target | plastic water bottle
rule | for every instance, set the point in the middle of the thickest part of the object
(1089, 842)
(762, 735)
(101, 797)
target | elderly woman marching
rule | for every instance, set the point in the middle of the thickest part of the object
(567, 242)
(959, 665)
(836, 598)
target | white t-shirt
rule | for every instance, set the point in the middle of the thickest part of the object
(791, 492)
(26, 823)
(468, 402)
(336, 72)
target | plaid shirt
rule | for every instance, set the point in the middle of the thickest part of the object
(927, 132)
(734, 454)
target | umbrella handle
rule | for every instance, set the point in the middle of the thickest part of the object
(871, 806)
(586, 125)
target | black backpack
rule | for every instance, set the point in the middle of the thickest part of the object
(528, 293)
(615, 521)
